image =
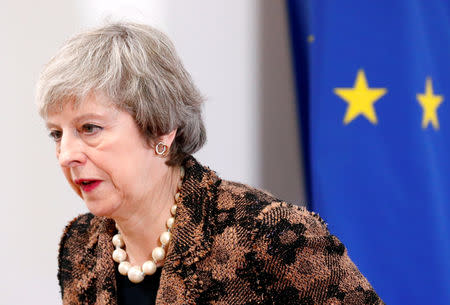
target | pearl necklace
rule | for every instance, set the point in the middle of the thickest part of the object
(137, 273)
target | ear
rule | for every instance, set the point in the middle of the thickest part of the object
(167, 139)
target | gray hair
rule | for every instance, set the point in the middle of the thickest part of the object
(137, 67)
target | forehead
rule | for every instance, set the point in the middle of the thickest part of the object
(93, 105)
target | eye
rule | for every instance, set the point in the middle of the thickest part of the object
(90, 129)
(55, 135)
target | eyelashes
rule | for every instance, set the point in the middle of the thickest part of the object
(90, 129)
(55, 135)
(85, 130)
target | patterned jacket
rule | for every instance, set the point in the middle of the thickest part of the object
(231, 244)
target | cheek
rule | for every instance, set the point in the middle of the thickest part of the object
(122, 176)
(128, 177)
(126, 162)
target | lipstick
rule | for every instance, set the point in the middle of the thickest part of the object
(87, 185)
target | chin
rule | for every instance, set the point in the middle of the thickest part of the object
(100, 208)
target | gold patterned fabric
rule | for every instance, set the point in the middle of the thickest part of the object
(232, 244)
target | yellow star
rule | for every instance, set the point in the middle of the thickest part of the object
(430, 104)
(360, 99)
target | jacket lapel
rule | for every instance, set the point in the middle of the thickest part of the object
(191, 235)
(105, 267)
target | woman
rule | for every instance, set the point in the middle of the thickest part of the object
(125, 117)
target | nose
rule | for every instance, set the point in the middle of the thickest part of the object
(70, 151)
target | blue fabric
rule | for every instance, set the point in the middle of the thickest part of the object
(379, 173)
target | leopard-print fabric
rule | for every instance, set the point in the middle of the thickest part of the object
(232, 244)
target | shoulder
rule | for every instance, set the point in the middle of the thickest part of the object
(80, 223)
(234, 194)
(267, 211)
(76, 231)
(84, 260)
(290, 245)
(75, 237)
(268, 223)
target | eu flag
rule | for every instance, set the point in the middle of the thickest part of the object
(373, 81)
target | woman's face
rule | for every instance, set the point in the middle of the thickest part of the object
(103, 155)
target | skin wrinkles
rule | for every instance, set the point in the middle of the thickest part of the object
(134, 180)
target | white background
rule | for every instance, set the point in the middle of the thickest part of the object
(238, 54)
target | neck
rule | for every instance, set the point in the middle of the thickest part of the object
(142, 225)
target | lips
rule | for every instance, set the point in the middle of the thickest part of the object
(87, 185)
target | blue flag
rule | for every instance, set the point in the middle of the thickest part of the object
(373, 83)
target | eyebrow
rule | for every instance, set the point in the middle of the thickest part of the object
(78, 119)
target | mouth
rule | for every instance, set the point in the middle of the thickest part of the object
(87, 185)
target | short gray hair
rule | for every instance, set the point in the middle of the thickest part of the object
(137, 67)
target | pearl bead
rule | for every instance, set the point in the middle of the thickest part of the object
(118, 241)
(135, 274)
(119, 255)
(149, 267)
(182, 172)
(170, 222)
(165, 238)
(124, 267)
(173, 209)
(158, 254)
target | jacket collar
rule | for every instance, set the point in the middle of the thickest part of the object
(192, 232)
